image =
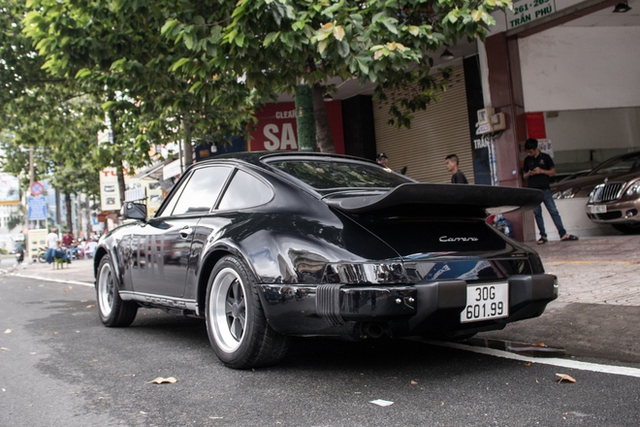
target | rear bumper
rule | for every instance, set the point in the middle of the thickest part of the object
(426, 308)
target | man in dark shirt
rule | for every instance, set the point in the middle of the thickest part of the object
(457, 177)
(538, 167)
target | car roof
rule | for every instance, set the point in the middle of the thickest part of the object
(258, 157)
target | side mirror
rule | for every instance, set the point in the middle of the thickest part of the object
(132, 210)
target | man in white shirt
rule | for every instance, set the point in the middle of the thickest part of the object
(53, 243)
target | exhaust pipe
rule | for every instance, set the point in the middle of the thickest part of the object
(372, 330)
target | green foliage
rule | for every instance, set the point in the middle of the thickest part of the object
(271, 44)
(163, 70)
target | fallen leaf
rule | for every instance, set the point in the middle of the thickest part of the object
(161, 380)
(539, 344)
(414, 382)
(528, 364)
(381, 402)
(565, 377)
(8, 331)
(91, 306)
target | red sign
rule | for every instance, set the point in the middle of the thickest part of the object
(535, 126)
(36, 189)
(276, 129)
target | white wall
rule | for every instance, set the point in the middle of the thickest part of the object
(594, 129)
(575, 220)
(571, 68)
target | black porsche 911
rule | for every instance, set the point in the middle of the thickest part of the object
(265, 246)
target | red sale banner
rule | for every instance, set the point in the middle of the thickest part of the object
(276, 128)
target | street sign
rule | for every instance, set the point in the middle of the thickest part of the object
(37, 207)
(37, 189)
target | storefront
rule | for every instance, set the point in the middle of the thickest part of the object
(565, 71)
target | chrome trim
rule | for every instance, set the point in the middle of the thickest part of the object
(164, 301)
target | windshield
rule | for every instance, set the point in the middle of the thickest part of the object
(327, 174)
(621, 165)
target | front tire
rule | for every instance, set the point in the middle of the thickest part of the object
(41, 258)
(236, 324)
(113, 311)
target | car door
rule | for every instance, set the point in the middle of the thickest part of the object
(161, 249)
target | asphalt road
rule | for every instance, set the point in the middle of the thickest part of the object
(60, 367)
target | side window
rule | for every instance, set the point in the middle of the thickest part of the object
(245, 191)
(171, 203)
(202, 190)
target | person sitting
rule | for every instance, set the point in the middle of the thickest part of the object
(90, 248)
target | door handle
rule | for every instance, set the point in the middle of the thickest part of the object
(185, 232)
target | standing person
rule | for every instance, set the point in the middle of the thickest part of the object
(538, 167)
(53, 244)
(457, 177)
(383, 160)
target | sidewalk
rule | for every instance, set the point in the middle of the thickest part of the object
(78, 271)
(596, 314)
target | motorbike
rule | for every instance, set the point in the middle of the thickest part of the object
(40, 254)
(19, 256)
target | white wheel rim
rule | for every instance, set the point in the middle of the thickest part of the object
(106, 290)
(227, 310)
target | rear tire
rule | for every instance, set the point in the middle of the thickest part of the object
(236, 324)
(113, 311)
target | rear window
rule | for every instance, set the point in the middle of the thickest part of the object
(324, 174)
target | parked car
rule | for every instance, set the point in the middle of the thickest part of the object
(616, 202)
(269, 246)
(564, 177)
(612, 168)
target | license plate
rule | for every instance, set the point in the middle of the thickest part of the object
(598, 209)
(488, 301)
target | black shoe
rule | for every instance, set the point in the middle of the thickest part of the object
(68, 261)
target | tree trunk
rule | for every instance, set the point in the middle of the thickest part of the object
(187, 151)
(69, 212)
(304, 119)
(323, 131)
(121, 184)
(118, 157)
(58, 218)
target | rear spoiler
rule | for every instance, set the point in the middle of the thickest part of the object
(457, 200)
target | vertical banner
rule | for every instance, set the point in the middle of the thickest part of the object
(535, 126)
(109, 190)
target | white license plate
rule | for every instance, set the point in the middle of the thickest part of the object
(598, 209)
(488, 301)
